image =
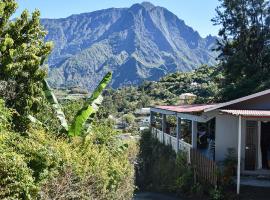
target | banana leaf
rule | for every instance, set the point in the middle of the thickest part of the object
(89, 108)
(55, 105)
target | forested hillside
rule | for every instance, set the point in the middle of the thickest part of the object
(203, 82)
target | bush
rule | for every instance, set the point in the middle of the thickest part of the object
(41, 165)
(26, 163)
(229, 170)
(216, 194)
(160, 169)
(16, 180)
(5, 116)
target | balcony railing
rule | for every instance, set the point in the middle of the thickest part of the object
(172, 141)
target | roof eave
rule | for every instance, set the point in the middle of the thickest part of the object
(238, 100)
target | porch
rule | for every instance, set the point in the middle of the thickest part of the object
(197, 128)
(182, 128)
(170, 140)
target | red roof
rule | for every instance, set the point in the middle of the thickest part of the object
(187, 108)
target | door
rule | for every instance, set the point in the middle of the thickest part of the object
(251, 145)
(265, 144)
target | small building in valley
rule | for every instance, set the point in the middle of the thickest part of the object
(212, 131)
(143, 118)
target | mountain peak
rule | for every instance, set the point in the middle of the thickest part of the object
(147, 5)
(144, 5)
(143, 42)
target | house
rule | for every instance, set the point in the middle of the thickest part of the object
(242, 125)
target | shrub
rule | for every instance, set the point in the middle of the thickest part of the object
(16, 180)
(184, 181)
(229, 168)
(216, 194)
(40, 165)
(160, 169)
(26, 163)
(5, 116)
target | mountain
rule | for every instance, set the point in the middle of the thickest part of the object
(143, 42)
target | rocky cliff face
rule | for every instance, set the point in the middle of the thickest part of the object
(143, 42)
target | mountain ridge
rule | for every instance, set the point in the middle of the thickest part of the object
(143, 42)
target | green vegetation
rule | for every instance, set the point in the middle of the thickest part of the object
(41, 165)
(23, 51)
(161, 170)
(90, 107)
(244, 46)
(41, 157)
(51, 98)
(203, 82)
(37, 158)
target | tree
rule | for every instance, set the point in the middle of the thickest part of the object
(129, 118)
(22, 53)
(244, 46)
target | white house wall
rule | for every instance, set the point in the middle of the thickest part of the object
(226, 135)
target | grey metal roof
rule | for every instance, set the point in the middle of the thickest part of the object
(248, 113)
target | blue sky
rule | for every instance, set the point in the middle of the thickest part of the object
(196, 13)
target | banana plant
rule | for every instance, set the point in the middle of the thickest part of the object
(55, 105)
(89, 108)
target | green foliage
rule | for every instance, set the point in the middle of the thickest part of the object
(16, 180)
(35, 163)
(102, 170)
(70, 108)
(229, 168)
(203, 82)
(121, 101)
(22, 52)
(244, 46)
(216, 194)
(90, 107)
(160, 169)
(129, 118)
(40, 165)
(184, 180)
(5, 116)
(55, 105)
